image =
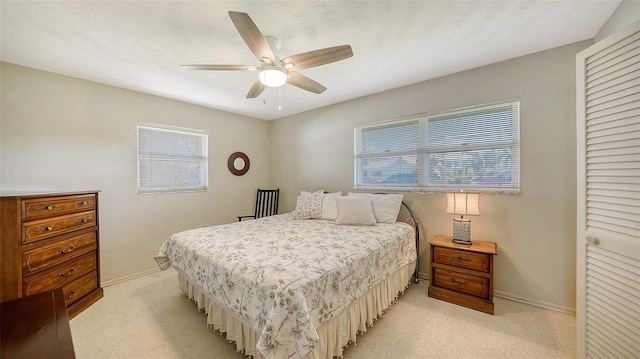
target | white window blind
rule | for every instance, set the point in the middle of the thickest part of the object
(475, 148)
(171, 159)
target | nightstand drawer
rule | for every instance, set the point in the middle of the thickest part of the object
(461, 258)
(461, 282)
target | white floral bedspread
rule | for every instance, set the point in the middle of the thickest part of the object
(285, 277)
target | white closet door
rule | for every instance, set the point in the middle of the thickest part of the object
(608, 243)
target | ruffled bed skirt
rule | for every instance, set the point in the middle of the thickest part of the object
(334, 335)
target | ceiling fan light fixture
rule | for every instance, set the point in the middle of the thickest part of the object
(272, 76)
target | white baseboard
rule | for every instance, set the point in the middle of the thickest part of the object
(535, 303)
(129, 277)
(423, 276)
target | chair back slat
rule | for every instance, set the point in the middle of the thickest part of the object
(267, 202)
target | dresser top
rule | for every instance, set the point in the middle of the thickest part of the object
(475, 246)
(27, 194)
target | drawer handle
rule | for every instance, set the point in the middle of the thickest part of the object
(456, 283)
(82, 203)
(71, 295)
(460, 259)
(46, 229)
(62, 251)
(47, 208)
(73, 269)
(84, 220)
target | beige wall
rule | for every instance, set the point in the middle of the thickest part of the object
(59, 133)
(534, 230)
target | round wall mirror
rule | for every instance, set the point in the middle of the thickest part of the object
(238, 163)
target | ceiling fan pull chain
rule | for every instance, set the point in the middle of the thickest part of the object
(279, 98)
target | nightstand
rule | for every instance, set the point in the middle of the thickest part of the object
(461, 273)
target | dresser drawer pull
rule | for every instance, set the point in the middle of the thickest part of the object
(47, 208)
(46, 229)
(73, 269)
(456, 283)
(71, 295)
(84, 220)
(460, 259)
(82, 203)
(62, 251)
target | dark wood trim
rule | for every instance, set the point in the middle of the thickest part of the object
(232, 166)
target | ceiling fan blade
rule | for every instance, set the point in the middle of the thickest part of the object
(252, 37)
(315, 58)
(256, 89)
(221, 67)
(305, 83)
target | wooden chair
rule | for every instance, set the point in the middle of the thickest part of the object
(266, 203)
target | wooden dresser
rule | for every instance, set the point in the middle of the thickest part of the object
(51, 241)
(462, 273)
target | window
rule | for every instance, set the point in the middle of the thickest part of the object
(475, 148)
(171, 159)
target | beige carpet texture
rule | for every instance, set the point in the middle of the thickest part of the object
(149, 317)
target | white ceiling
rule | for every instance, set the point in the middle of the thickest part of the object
(140, 45)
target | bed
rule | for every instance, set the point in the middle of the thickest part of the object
(297, 286)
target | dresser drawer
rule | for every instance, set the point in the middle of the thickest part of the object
(52, 254)
(56, 206)
(460, 258)
(461, 282)
(80, 287)
(61, 275)
(46, 228)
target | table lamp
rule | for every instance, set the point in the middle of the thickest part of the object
(462, 203)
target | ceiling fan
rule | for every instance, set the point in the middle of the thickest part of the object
(274, 72)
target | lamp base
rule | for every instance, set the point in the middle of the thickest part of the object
(461, 231)
(459, 241)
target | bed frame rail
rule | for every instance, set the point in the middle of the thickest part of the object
(416, 227)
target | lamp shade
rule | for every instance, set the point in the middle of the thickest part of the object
(272, 76)
(463, 203)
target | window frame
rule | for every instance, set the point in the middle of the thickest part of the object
(203, 160)
(423, 150)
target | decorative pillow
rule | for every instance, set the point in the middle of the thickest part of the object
(308, 205)
(355, 211)
(329, 207)
(385, 206)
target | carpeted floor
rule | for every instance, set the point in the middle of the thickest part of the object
(149, 317)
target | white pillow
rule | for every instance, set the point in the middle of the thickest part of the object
(355, 211)
(329, 207)
(385, 206)
(308, 205)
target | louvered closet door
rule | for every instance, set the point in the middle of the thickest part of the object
(608, 243)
